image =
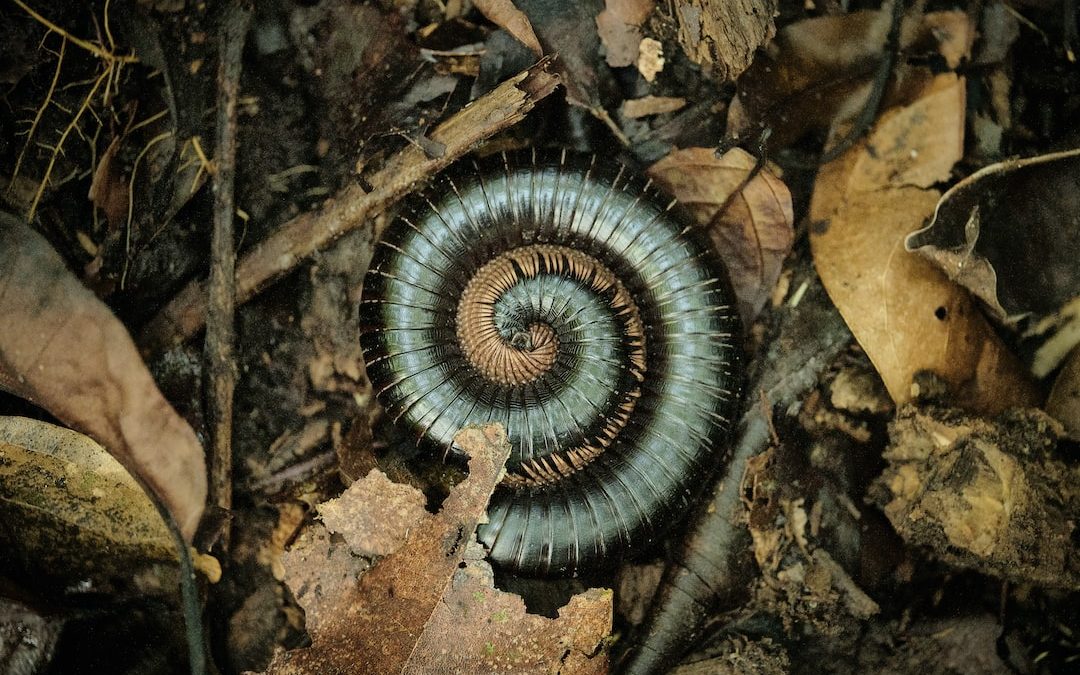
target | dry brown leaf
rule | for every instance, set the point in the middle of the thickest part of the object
(749, 216)
(64, 350)
(619, 28)
(372, 626)
(373, 513)
(108, 190)
(816, 73)
(69, 508)
(479, 629)
(723, 36)
(504, 14)
(904, 312)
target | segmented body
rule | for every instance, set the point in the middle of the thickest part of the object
(564, 297)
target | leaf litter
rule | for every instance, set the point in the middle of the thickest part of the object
(433, 581)
(956, 556)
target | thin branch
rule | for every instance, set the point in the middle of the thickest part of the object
(220, 333)
(355, 207)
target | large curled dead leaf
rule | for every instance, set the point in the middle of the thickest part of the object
(428, 606)
(905, 313)
(1007, 233)
(69, 508)
(63, 350)
(748, 214)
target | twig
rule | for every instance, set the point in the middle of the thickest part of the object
(354, 207)
(220, 333)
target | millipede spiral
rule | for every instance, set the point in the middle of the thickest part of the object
(563, 296)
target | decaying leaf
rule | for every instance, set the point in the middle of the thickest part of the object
(619, 28)
(748, 215)
(479, 629)
(569, 30)
(373, 514)
(984, 495)
(426, 584)
(63, 349)
(321, 574)
(1007, 233)
(817, 73)
(68, 508)
(723, 36)
(904, 312)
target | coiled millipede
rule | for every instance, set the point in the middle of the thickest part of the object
(563, 296)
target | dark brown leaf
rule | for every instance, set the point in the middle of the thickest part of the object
(372, 626)
(817, 73)
(1007, 233)
(748, 215)
(568, 29)
(64, 350)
